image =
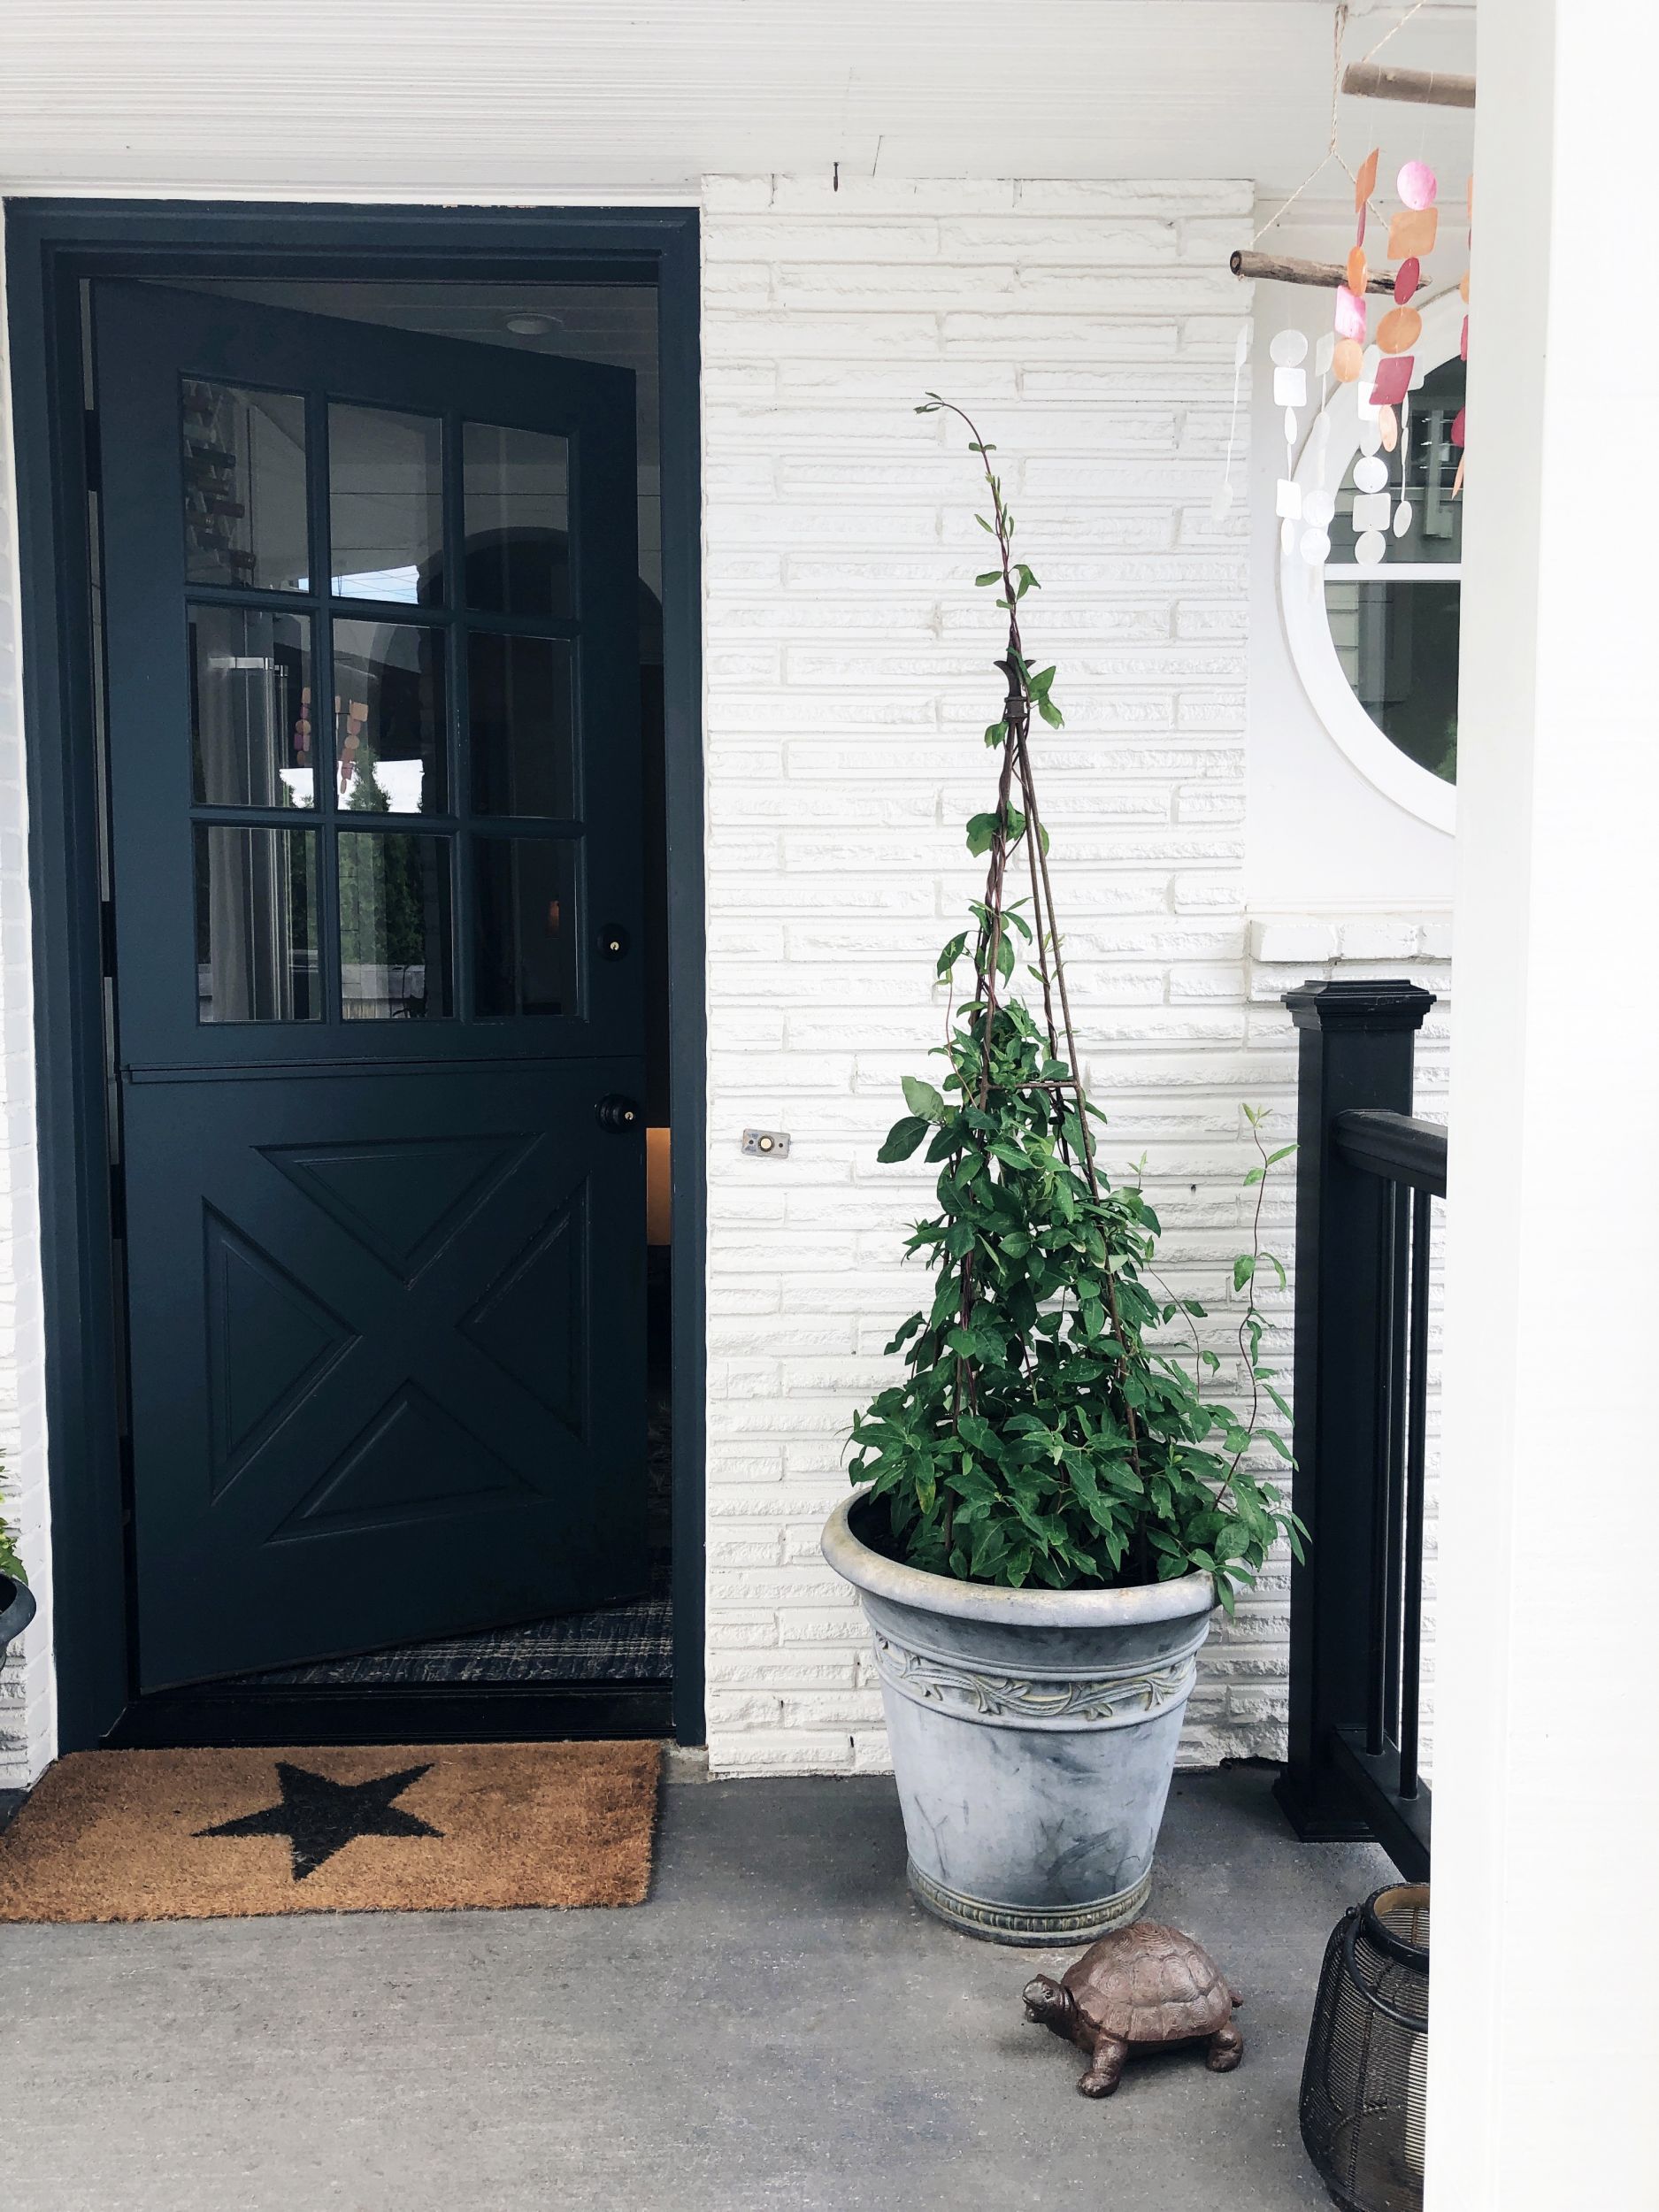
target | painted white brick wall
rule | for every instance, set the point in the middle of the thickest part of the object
(1090, 327)
(27, 1723)
(848, 682)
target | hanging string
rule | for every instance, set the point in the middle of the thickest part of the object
(1400, 26)
(1330, 154)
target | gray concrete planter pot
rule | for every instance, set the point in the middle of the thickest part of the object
(1033, 1737)
(17, 1610)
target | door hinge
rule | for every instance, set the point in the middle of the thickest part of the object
(117, 1200)
(94, 451)
(106, 936)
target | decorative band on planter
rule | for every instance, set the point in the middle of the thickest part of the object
(1033, 1737)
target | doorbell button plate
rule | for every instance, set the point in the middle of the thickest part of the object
(766, 1144)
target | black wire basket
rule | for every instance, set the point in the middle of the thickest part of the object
(1363, 2084)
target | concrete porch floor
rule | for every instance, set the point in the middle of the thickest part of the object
(778, 2026)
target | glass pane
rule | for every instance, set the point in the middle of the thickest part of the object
(250, 707)
(1430, 468)
(1397, 642)
(518, 520)
(244, 487)
(390, 717)
(256, 926)
(386, 504)
(394, 926)
(519, 715)
(524, 941)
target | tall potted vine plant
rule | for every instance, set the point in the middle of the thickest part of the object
(17, 1603)
(1051, 1501)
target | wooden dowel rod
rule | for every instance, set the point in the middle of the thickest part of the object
(1422, 87)
(1276, 270)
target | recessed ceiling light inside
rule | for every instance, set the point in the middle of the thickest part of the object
(534, 325)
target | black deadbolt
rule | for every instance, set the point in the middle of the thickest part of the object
(619, 1114)
(613, 942)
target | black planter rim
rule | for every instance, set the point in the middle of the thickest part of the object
(17, 1609)
(1387, 1938)
(1412, 1955)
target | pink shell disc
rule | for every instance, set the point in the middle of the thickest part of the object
(1408, 276)
(1416, 184)
(1460, 426)
(1393, 380)
(1350, 313)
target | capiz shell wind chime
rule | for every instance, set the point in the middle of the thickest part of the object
(1383, 369)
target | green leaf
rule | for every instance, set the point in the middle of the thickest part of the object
(1243, 1268)
(923, 1099)
(903, 1138)
(981, 832)
(951, 953)
(991, 576)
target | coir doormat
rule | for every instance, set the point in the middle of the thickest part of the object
(201, 1835)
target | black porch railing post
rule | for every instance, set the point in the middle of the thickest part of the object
(1357, 1042)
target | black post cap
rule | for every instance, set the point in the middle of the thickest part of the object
(1393, 1004)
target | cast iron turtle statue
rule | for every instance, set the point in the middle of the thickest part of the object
(1143, 1985)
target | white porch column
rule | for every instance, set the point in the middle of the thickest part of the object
(1542, 2054)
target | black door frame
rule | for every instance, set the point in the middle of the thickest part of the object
(51, 246)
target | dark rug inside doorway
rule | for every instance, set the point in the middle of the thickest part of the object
(209, 1834)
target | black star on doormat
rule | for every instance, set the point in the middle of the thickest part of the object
(320, 1817)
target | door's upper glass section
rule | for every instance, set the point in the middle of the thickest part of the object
(250, 707)
(391, 720)
(357, 919)
(385, 504)
(244, 487)
(518, 521)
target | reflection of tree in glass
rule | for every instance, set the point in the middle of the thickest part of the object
(381, 907)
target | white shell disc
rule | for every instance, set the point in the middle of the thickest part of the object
(1370, 549)
(1405, 514)
(1316, 547)
(1370, 472)
(1317, 507)
(1288, 348)
(1369, 434)
(1287, 536)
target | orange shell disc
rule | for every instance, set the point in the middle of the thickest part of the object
(1413, 231)
(1347, 360)
(1398, 331)
(1358, 271)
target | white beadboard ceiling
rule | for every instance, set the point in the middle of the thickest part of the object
(536, 99)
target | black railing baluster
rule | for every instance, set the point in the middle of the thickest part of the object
(1383, 1657)
(1395, 1312)
(1361, 1377)
(1417, 1456)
